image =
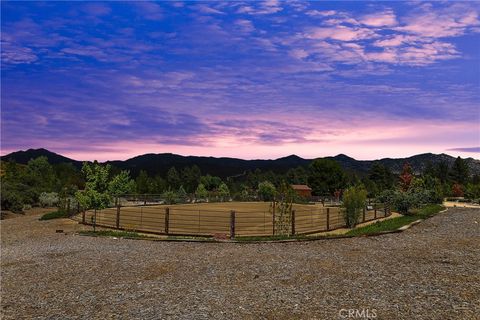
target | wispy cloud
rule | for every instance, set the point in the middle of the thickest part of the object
(470, 149)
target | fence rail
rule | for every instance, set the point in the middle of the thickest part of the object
(172, 220)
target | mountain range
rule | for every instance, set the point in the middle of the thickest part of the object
(225, 167)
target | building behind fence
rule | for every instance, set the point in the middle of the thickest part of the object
(181, 220)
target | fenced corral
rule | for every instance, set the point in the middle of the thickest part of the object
(229, 219)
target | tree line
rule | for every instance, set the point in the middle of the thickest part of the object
(96, 185)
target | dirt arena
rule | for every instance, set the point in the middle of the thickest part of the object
(251, 218)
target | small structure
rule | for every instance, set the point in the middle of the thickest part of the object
(302, 190)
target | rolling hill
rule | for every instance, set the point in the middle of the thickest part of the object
(224, 167)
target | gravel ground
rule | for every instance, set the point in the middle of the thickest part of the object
(431, 271)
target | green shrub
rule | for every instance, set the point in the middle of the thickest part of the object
(12, 201)
(169, 196)
(48, 199)
(353, 202)
(403, 201)
(201, 192)
(223, 192)
(54, 215)
(266, 191)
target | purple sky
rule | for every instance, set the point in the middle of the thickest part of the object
(111, 80)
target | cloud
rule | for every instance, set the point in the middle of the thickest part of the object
(13, 54)
(245, 25)
(380, 19)
(261, 8)
(395, 40)
(471, 149)
(206, 9)
(320, 13)
(341, 33)
(453, 20)
(149, 10)
(96, 9)
(299, 53)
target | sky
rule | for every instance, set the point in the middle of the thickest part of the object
(253, 80)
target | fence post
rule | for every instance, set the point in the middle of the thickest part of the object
(144, 199)
(117, 221)
(167, 219)
(232, 224)
(273, 218)
(94, 220)
(375, 210)
(363, 213)
(293, 222)
(328, 219)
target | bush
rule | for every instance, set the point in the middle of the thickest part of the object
(266, 191)
(472, 191)
(12, 201)
(353, 202)
(48, 199)
(169, 196)
(201, 192)
(404, 201)
(54, 215)
(223, 192)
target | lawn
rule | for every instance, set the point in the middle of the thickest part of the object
(396, 223)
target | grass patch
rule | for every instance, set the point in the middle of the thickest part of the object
(295, 237)
(54, 215)
(429, 210)
(270, 238)
(112, 233)
(396, 223)
(190, 238)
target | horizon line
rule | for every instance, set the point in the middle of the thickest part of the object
(219, 157)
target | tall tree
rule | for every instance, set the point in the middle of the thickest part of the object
(190, 178)
(143, 182)
(326, 176)
(95, 194)
(173, 178)
(406, 177)
(40, 175)
(381, 176)
(459, 172)
(121, 184)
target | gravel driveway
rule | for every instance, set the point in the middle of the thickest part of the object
(431, 271)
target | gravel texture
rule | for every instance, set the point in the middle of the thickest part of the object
(431, 271)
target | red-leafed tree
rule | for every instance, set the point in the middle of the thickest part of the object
(337, 194)
(406, 177)
(457, 190)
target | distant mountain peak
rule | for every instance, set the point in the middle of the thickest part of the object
(343, 156)
(290, 157)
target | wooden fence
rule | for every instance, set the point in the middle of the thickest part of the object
(205, 222)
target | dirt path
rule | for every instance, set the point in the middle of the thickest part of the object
(428, 272)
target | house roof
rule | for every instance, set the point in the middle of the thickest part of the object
(301, 187)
